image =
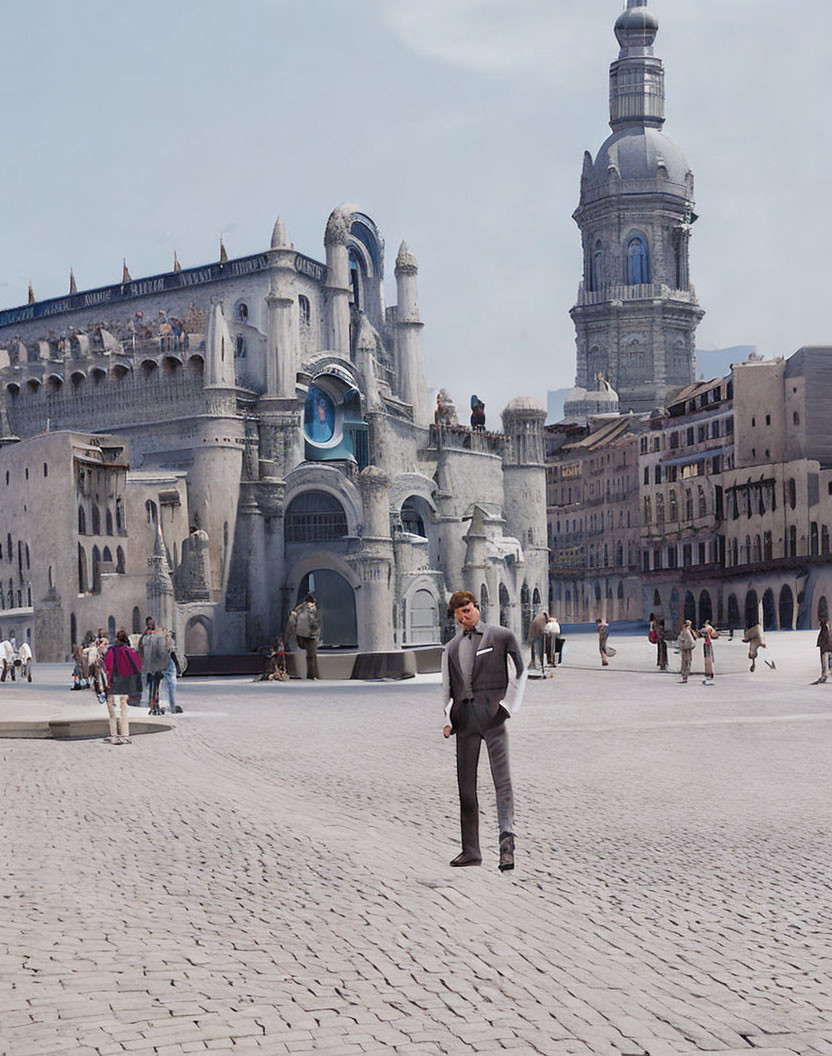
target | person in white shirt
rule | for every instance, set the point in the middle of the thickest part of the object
(551, 633)
(7, 651)
(25, 654)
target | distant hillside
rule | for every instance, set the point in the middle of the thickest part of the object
(716, 362)
(710, 363)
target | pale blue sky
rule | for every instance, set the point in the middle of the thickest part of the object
(459, 125)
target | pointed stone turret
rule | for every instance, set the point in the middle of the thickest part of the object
(73, 286)
(176, 265)
(219, 352)
(223, 253)
(31, 294)
(125, 274)
(160, 600)
(410, 366)
(338, 289)
(280, 235)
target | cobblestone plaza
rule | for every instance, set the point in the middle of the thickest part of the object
(271, 876)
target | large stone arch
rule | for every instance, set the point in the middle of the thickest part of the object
(769, 610)
(422, 620)
(786, 608)
(321, 477)
(198, 636)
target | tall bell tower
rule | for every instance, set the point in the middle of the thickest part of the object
(636, 312)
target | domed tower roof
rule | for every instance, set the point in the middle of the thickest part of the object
(637, 26)
(523, 405)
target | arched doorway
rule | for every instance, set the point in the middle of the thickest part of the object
(336, 602)
(198, 636)
(706, 611)
(769, 610)
(752, 616)
(786, 608)
(505, 607)
(733, 611)
(674, 607)
(423, 622)
(690, 607)
(823, 608)
(525, 611)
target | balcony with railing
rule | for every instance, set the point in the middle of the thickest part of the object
(646, 291)
(463, 438)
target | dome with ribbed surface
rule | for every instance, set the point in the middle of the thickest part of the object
(639, 153)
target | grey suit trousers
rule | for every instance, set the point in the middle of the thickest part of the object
(470, 733)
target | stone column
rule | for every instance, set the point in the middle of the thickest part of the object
(412, 381)
(337, 284)
(272, 556)
(374, 565)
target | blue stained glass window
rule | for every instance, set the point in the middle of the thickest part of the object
(638, 261)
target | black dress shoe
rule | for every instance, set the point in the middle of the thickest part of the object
(506, 851)
(465, 859)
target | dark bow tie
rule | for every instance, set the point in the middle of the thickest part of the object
(469, 633)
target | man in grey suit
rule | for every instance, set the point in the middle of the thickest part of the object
(483, 678)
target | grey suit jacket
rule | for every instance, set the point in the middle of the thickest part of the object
(499, 675)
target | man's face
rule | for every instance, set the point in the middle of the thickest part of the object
(467, 615)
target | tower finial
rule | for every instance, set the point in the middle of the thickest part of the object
(637, 77)
(176, 265)
(31, 293)
(223, 253)
(125, 274)
(73, 286)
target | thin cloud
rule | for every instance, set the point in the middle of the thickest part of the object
(501, 37)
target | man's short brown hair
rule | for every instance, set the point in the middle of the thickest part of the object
(459, 600)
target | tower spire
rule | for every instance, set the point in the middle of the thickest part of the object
(637, 76)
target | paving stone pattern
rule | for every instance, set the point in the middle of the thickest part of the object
(272, 877)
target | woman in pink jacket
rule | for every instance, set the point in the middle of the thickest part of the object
(122, 666)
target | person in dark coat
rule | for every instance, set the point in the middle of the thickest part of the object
(824, 643)
(483, 678)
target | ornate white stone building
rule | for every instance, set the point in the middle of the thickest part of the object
(269, 430)
(636, 312)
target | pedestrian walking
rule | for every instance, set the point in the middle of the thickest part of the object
(122, 670)
(754, 637)
(553, 642)
(824, 643)
(483, 679)
(708, 633)
(535, 639)
(174, 671)
(25, 654)
(687, 642)
(149, 628)
(156, 661)
(603, 637)
(7, 650)
(306, 623)
(657, 637)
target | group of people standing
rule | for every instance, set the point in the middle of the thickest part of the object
(120, 674)
(16, 659)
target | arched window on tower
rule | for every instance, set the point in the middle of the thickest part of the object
(638, 261)
(355, 280)
(596, 277)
